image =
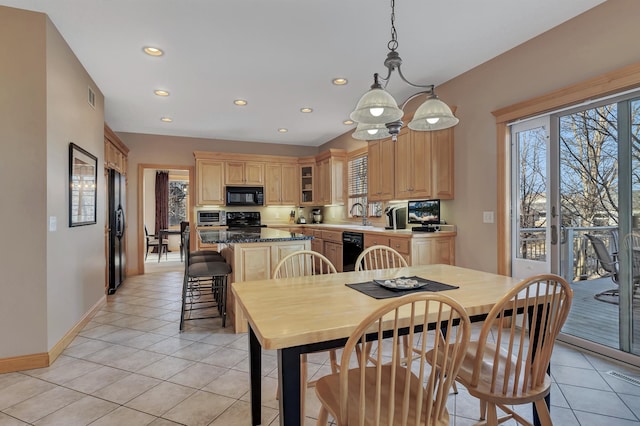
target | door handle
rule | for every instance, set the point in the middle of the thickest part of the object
(554, 235)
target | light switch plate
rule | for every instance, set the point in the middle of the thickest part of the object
(487, 217)
(53, 223)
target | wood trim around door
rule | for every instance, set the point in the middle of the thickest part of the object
(140, 232)
(623, 79)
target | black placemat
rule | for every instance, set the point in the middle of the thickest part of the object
(376, 291)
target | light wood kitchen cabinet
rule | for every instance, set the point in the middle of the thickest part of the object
(244, 173)
(442, 164)
(333, 252)
(331, 169)
(381, 170)
(281, 184)
(332, 247)
(307, 173)
(115, 152)
(412, 165)
(210, 182)
(401, 245)
(424, 164)
(254, 261)
(317, 244)
(427, 251)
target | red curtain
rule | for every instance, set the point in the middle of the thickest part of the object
(162, 201)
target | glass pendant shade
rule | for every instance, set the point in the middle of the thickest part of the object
(433, 114)
(383, 105)
(370, 132)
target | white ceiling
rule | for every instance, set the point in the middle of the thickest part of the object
(280, 55)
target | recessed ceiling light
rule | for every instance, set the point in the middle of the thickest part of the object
(340, 81)
(306, 110)
(348, 122)
(166, 119)
(240, 102)
(161, 92)
(153, 51)
(282, 130)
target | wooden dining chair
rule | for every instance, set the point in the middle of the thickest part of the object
(392, 392)
(303, 263)
(379, 257)
(511, 368)
(298, 264)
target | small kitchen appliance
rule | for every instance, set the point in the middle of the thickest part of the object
(396, 217)
(317, 215)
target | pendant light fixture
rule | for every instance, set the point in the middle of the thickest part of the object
(377, 107)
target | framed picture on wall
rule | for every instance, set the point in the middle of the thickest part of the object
(83, 186)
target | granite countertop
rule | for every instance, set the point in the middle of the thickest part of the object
(257, 235)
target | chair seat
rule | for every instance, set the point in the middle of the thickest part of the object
(327, 389)
(483, 389)
(208, 269)
(205, 256)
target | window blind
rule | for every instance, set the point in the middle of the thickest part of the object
(357, 177)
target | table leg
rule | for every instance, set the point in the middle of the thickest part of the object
(255, 374)
(289, 381)
(536, 336)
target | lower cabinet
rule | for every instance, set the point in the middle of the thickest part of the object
(254, 261)
(426, 251)
(333, 252)
(401, 245)
(332, 247)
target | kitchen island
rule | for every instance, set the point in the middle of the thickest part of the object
(252, 254)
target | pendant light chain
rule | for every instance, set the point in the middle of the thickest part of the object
(393, 43)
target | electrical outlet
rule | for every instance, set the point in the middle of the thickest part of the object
(487, 217)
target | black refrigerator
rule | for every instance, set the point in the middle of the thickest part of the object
(117, 203)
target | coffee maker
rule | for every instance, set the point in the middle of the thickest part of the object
(396, 217)
(316, 214)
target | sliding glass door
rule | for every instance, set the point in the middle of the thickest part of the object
(576, 205)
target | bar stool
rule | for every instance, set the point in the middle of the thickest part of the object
(204, 286)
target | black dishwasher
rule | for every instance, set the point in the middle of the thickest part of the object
(352, 246)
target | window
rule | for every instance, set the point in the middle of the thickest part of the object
(357, 189)
(178, 201)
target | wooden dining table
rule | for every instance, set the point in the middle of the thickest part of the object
(307, 314)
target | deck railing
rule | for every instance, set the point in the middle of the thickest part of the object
(579, 259)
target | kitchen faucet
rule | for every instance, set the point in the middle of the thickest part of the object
(365, 222)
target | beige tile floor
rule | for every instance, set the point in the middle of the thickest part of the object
(131, 366)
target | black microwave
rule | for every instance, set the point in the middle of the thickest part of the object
(244, 196)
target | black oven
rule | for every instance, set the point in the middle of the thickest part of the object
(245, 196)
(352, 246)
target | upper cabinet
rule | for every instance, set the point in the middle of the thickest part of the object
(418, 165)
(244, 173)
(331, 167)
(281, 184)
(413, 161)
(210, 183)
(306, 176)
(442, 163)
(279, 175)
(115, 152)
(381, 170)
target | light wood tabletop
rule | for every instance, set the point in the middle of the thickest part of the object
(304, 314)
